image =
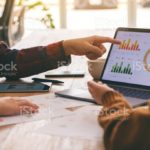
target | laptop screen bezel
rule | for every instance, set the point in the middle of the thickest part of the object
(122, 83)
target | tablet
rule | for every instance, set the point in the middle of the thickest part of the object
(23, 87)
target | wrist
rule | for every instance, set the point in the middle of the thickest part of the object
(67, 47)
(1, 108)
(110, 97)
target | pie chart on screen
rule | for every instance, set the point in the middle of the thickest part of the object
(147, 60)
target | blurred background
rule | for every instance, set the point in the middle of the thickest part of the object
(80, 14)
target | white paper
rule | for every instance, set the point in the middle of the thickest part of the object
(50, 107)
(82, 123)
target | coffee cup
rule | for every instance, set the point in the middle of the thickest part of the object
(95, 68)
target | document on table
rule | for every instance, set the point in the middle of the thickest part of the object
(50, 106)
(83, 123)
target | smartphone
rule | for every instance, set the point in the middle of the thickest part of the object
(65, 74)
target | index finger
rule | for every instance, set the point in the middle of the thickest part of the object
(28, 103)
(93, 84)
(107, 40)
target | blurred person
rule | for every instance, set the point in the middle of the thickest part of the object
(125, 128)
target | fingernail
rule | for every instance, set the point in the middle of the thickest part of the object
(36, 105)
(35, 110)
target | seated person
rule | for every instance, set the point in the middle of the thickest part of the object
(126, 128)
(26, 62)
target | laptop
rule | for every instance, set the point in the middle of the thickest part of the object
(127, 68)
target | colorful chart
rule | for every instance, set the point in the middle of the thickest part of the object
(118, 68)
(145, 61)
(127, 45)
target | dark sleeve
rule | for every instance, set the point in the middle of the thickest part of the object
(22, 63)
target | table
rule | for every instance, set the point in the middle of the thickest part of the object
(21, 137)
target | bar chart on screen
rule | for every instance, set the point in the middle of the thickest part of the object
(120, 68)
(128, 45)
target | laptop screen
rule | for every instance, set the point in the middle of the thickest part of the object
(129, 62)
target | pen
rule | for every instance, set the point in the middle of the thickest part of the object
(47, 80)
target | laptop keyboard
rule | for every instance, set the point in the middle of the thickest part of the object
(129, 92)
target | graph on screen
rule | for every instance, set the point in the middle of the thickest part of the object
(129, 62)
(129, 46)
(145, 60)
(120, 68)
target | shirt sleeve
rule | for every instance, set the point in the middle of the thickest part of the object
(114, 106)
(30, 61)
(124, 127)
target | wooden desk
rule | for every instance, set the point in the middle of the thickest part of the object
(21, 137)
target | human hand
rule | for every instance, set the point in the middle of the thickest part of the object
(97, 90)
(92, 47)
(15, 106)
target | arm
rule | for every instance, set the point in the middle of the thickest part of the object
(32, 61)
(115, 107)
(124, 127)
(35, 60)
(114, 113)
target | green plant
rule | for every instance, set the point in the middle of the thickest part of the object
(47, 18)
